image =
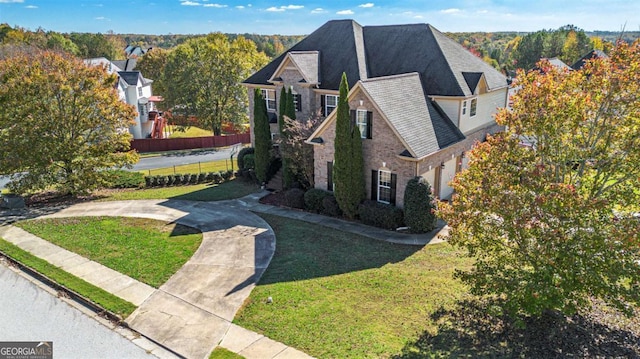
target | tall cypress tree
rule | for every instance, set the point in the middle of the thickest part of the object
(348, 176)
(262, 137)
(282, 109)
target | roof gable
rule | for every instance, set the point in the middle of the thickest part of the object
(131, 77)
(305, 62)
(417, 121)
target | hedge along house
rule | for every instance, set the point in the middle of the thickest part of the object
(419, 98)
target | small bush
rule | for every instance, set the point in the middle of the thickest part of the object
(226, 175)
(177, 179)
(419, 206)
(249, 161)
(294, 198)
(201, 177)
(186, 178)
(149, 181)
(161, 180)
(209, 177)
(217, 178)
(330, 206)
(125, 179)
(381, 215)
(170, 180)
(241, 154)
(313, 199)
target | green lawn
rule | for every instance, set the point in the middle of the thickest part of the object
(339, 295)
(213, 166)
(104, 299)
(144, 249)
(190, 132)
(201, 192)
(222, 353)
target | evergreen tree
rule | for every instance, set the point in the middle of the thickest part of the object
(419, 206)
(262, 137)
(282, 110)
(290, 109)
(348, 175)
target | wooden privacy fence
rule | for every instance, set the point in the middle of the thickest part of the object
(174, 144)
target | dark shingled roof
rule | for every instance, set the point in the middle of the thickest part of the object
(130, 77)
(593, 54)
(377, 51)
(125, 65)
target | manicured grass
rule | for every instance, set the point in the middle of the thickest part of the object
(213, 166)
(104, 299)
(201, 192)
(144, 249)
(222, 353)
(190, 132)
(339, 295)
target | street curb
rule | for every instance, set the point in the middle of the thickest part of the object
(80, 300)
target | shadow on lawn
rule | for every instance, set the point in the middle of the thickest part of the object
(469, 332)
(305, 251)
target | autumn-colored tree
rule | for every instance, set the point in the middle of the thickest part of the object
(62, 123)
(203, 76)
(262, 136)
(348, 170)
(547, 207)
(300, 159)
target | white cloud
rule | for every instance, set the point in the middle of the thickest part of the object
(11, 1)
(345, 12)
(450, 11)
(218, 6)
(483, 11)
(284, 8)
(369, 4)
(102, 18)
(240, 7)
(30, 7)
(190, 3)
(318, 10)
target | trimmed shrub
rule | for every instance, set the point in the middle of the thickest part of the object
(294, 198)
(249, 161)
(177, 179)
(226, 175)
(149, 181)
(162, 180)
(241, 154)
(193, 178)
(381, 215)
(330, 206)
(217, 177)
(125, 179)
(170, 180)
(419, 206)
(209, 177)
(313, 199)
(201, 177)
(186, 178)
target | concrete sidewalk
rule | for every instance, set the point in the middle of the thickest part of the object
(252, 203)
(191, 313)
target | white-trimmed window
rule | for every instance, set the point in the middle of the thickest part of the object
(269, 99)
(384, 186)
(464, 107)
(139, 91)
(330, 103)
(474, 105)
(361, 122)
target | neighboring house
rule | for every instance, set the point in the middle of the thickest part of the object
(420, 99)
(593, 54)
(135, 90)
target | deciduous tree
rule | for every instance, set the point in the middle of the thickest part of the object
(61, 123)
(552, 223)
(152, 66)
(203, 76)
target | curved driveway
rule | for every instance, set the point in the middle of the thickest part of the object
(191, 313)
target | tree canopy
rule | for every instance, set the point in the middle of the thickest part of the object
(548, 207)
(202, 79)
(62, 123)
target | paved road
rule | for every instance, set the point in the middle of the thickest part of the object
(29, 313)
(182, 159)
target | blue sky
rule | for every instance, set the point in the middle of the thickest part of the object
(289, 17)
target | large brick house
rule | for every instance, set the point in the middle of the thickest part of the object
(420, 99)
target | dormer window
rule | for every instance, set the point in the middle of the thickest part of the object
(139, 91)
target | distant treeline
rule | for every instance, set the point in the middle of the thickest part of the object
(505, 51)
